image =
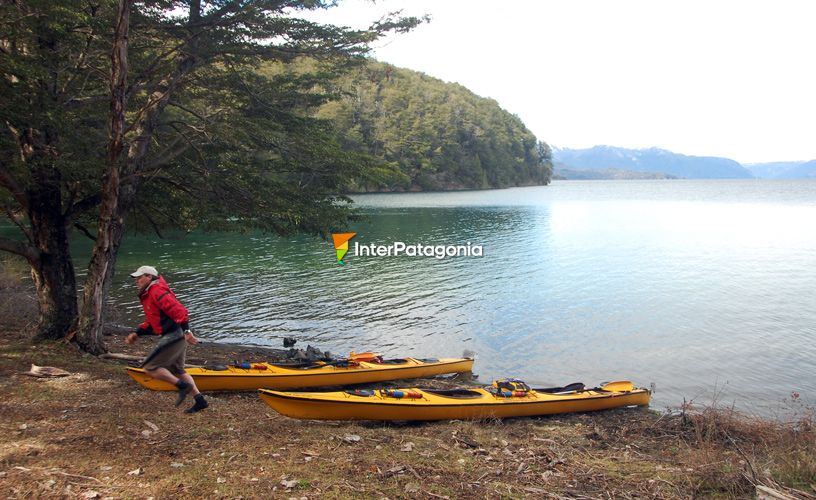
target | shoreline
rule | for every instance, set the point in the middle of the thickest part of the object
(96, 434)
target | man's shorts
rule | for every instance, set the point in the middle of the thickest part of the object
(171, 356)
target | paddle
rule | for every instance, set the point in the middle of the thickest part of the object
(618, 386)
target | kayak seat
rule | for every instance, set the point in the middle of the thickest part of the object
(394, 361)
(340, 364)
(575, 387)
(296, 364)
(360, 392)
(455, 393)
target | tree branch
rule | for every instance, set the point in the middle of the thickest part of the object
(150, 69)
(154, 166)
(84, 204)
(82, 57)
(179, 186)
(75, 102)
(233, 6)
(14, 219)
(20, 248)
(151, 221)
(167, 155)
(161, 57)
(204, 119)
(9, 182)
(84, 231)
(137, 120)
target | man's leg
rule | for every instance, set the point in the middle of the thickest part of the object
(188, 379)
(163, 374)
(184, 387)
(200, 402)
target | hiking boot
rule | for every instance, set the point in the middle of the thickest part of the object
(183, 390)
(200, 404)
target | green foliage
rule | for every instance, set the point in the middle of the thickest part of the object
(438, 135)
(258, 160)
(234, 147)
(54, 56)
(237, 146)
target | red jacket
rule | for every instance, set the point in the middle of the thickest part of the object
(163, 310)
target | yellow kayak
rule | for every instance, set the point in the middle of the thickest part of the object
(477, 403)
(257, 375)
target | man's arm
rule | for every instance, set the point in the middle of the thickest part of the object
(143, 329)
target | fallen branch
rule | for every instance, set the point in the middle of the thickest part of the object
(75, 475)
(434, 495)
(412, 471)
(116, 355)
(766, 493)
(46, 371)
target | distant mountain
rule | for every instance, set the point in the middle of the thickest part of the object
(651, 160)
(784, 170)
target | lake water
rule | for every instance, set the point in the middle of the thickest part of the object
(706, 288)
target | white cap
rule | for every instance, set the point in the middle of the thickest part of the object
(144, 270)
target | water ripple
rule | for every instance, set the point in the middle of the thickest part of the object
(702, 287)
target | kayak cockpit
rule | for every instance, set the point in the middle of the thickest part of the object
(455, 393)
(570, 388)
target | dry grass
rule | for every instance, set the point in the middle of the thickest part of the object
(96, 431)
(772, 453)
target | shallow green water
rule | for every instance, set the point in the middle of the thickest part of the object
(704, 287)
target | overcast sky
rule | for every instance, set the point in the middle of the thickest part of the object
(711, 78)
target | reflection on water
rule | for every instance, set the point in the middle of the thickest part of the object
(693, 285)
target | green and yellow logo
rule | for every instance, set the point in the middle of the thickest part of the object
(341, 245)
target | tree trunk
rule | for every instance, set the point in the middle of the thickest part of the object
(98, 282)
(47, 252)
(111, 212)
(100, 270)
(51, 264)
(54, 278)
(122, 182)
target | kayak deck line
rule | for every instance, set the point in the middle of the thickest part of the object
(363, 367)
(422, 404)
(275, 376)
(518, 401)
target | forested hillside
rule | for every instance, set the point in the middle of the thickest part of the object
(432, 135)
